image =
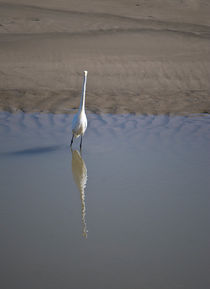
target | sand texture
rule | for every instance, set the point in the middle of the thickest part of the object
(142, 56)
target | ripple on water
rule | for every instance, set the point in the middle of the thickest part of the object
(28, 130)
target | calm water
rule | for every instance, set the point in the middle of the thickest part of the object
(131, 212)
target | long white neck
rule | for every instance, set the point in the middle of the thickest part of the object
(82, 101)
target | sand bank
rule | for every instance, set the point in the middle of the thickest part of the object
(142, 57)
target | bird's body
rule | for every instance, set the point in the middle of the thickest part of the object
(79, 123)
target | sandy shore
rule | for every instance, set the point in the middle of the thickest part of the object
(142, 56)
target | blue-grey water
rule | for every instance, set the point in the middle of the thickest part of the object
(131, 211)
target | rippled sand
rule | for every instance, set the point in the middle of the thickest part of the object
(142, 56)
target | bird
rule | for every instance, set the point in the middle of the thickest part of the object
(79, 123)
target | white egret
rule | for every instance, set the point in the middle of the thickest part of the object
(79, 123)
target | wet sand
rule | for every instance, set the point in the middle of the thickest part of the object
(149, 57)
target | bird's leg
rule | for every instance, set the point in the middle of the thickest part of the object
(81, 143)
(72, 140)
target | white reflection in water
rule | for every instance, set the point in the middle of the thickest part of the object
(79, 172)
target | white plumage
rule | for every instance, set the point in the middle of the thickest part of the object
(79, 123)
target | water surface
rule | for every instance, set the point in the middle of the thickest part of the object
(130, 211)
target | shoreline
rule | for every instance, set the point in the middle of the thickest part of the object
(65, 101)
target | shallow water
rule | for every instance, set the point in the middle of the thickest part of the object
(131, 212)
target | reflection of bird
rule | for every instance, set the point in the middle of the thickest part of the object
(79, 123)
(79, 172)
